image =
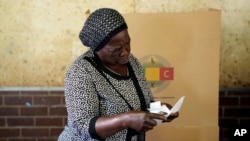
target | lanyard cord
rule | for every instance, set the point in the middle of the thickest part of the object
(138, 89)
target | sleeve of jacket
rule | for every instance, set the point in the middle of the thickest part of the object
(81, 101)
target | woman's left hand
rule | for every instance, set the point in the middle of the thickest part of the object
(171, 117)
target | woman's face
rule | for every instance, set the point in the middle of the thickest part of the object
(117, 50)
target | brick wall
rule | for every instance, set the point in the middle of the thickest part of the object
(41, 115)
(234, 111)
(31, 115)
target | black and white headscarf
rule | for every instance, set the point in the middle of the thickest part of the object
(100, 27)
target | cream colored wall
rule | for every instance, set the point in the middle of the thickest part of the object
(39, 38)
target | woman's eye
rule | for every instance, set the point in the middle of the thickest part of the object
(118, 48)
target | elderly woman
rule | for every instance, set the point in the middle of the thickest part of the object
(106, 93)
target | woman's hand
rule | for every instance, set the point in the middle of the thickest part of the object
(137, 120)
(142, 121)
(172, 116)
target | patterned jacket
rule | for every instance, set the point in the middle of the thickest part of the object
(92, 91)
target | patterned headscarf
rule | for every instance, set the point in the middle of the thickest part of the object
(100, 27)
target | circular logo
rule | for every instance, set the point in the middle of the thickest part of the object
(157, 71)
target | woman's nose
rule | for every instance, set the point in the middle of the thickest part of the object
(125, 50)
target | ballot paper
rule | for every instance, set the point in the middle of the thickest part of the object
(156, 107)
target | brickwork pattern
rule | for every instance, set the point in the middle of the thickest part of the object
(234, 110)
(31, 115)
(41, 115)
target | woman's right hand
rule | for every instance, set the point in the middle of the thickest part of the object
(141, 120)
(137, 120)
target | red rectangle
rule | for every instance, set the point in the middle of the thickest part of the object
(167, 73)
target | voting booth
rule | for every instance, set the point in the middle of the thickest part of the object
(180, 56)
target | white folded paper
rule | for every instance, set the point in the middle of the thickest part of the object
(156, 107)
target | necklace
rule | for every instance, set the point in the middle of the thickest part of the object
(116, 72)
